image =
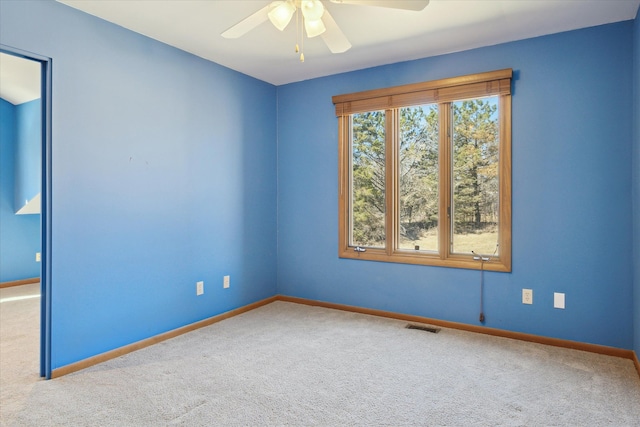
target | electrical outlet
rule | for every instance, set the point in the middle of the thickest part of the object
(527, 296)
(37, 256)
(558, 300)
(199, 288)
(225, 283)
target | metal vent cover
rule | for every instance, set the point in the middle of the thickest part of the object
(423, 328)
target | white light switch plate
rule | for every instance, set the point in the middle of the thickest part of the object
(558, 300)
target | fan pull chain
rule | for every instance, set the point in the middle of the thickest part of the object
(297, 32)
(298, 38)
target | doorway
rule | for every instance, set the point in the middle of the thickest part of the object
(41, 202)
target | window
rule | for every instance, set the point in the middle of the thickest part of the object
(425, 173)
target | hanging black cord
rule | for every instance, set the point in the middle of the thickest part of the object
(482, 261)
(481, 290)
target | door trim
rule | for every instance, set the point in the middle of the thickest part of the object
(46, 73)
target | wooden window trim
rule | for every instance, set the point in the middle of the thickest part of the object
(442, 91)
(451, 89)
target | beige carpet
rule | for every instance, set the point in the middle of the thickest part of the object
(19, 346)
(289, 364)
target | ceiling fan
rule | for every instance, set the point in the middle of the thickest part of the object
(316, 19)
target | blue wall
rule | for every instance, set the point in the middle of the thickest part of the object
(19, 234)
(28, 152)
(166, 171)
(572, 122)
(164, 174)
(636, 180)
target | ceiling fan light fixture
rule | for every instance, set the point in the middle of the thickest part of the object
(281, 13)
(312, 10)
(314, 28)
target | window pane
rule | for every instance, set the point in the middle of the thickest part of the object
(419, 178)
(368, 179)
(475, 176)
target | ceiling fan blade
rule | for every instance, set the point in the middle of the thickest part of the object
(333, 36)
(393, 4)
(247, 24)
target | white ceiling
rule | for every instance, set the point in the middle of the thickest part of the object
(378, 35)
(19, 79)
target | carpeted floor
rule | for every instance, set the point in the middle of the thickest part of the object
(19, 346)
(289, 364)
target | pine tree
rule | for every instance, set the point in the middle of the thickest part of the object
(368, 184)
(475, 170)
(475, 164)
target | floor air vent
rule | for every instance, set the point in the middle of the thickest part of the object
(424, 328)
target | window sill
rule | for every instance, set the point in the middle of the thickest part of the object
(408, 257)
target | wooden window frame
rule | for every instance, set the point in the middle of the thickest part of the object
(442, 92)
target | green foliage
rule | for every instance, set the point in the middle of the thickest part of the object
(475, 170)
(368, 175)
(418, 170)
(475, 164)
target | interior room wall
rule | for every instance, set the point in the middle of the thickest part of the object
(28, 152)
(636, 180)
(163, 174)
(19, 234)
(166, 172)
(571, 145)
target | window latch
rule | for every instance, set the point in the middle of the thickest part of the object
(359, 249)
